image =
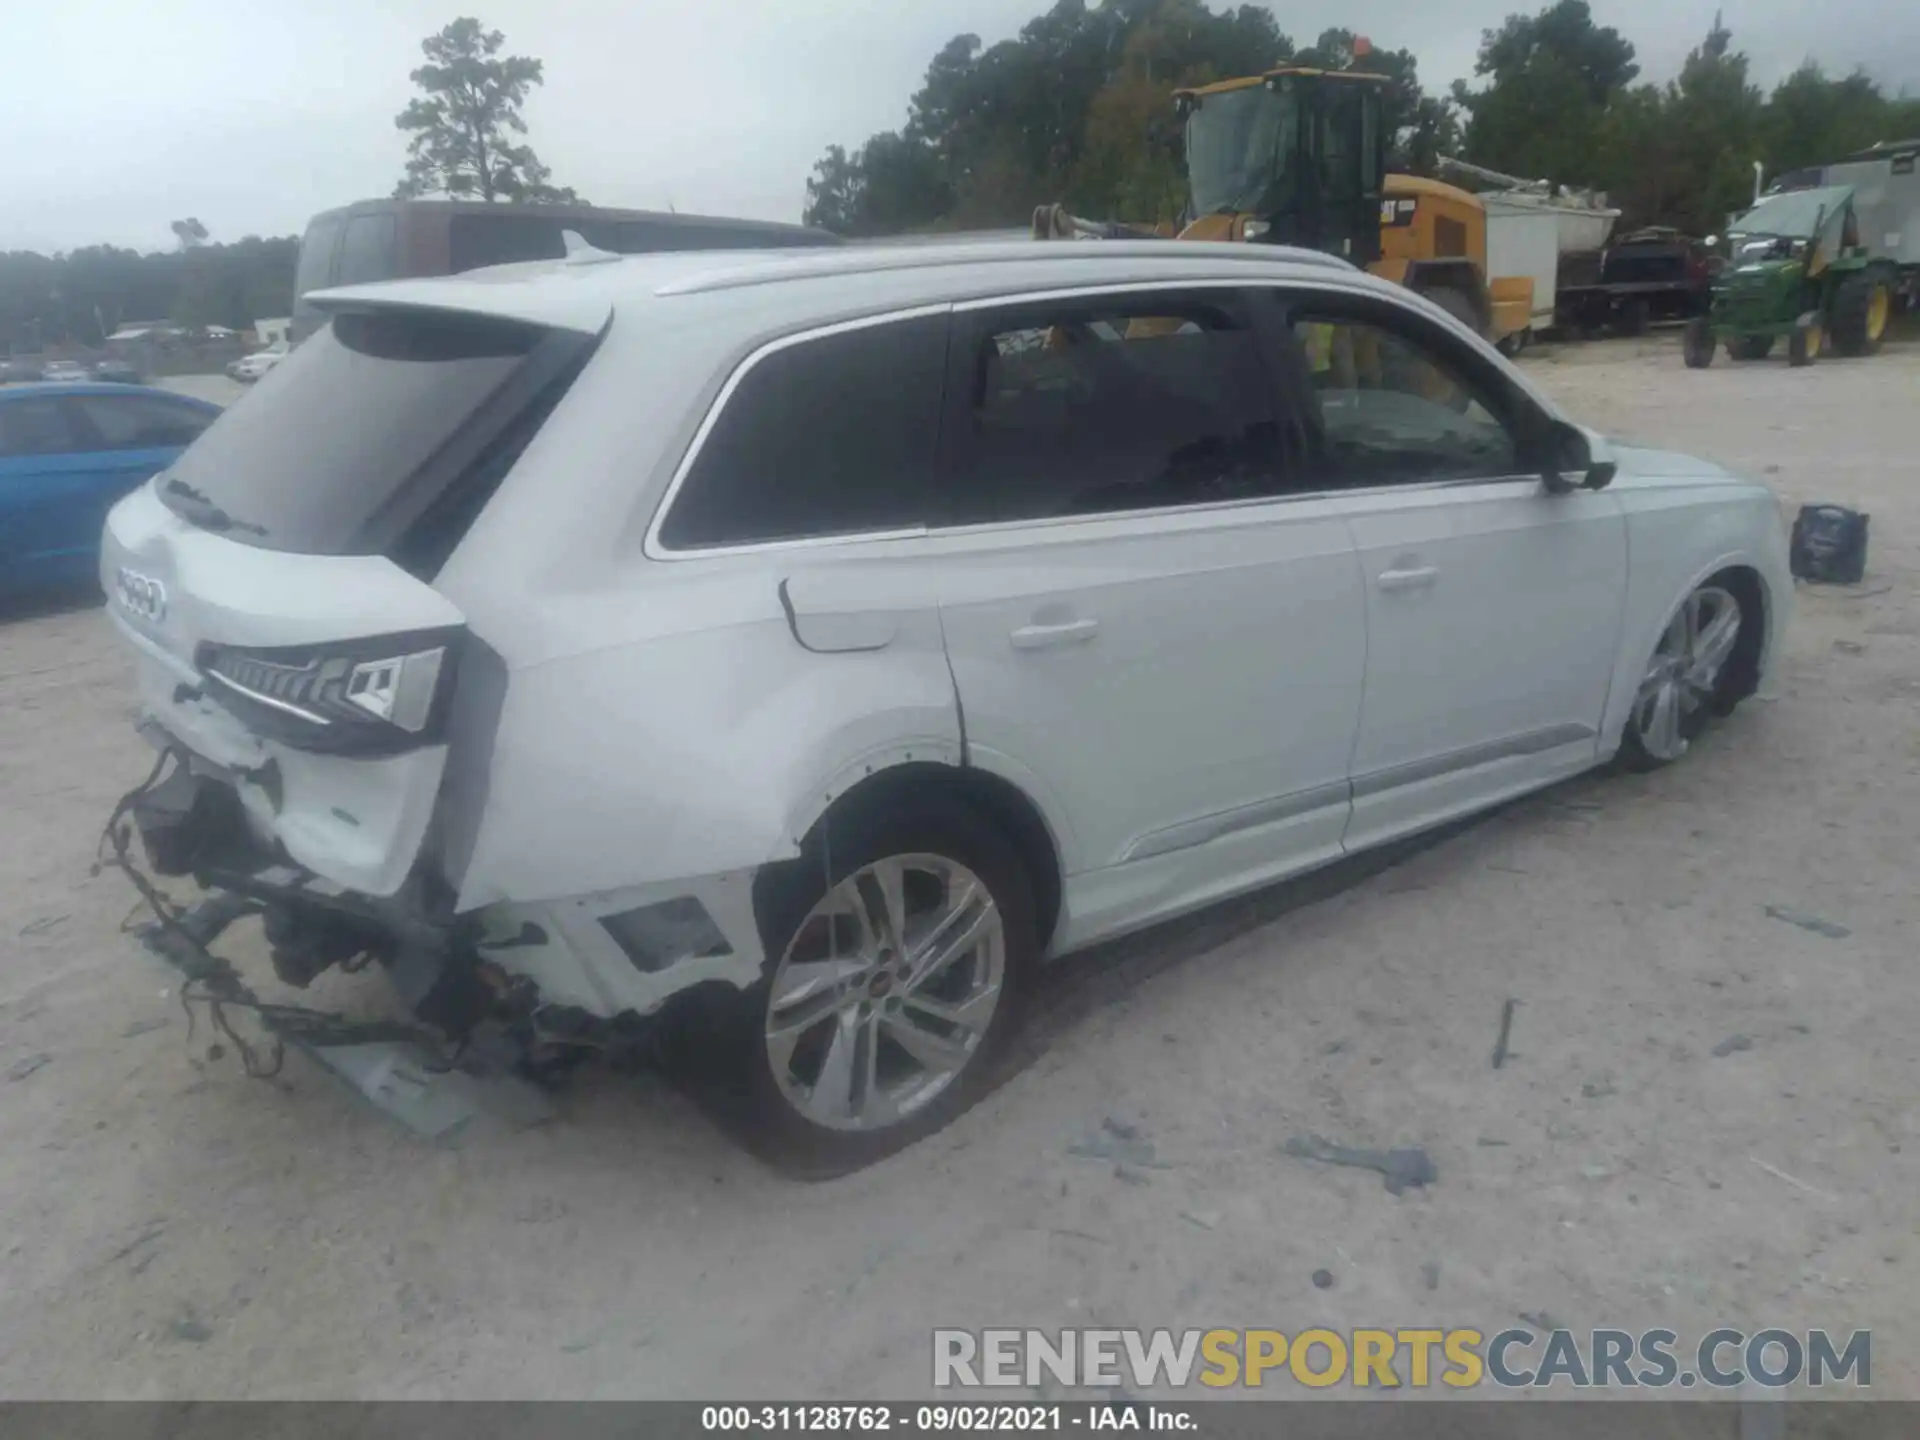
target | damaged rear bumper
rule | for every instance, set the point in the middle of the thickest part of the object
(536, 986)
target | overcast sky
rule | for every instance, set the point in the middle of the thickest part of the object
(117, 116)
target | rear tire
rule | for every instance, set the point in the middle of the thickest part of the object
(887, 896)
(1861, 309)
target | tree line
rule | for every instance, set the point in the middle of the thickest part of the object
(1078, 108)
(82, 296)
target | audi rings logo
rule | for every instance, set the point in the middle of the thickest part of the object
(142, 594)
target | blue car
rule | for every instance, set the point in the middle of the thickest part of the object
(67, 453)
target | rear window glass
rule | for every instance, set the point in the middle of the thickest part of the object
(328, 440)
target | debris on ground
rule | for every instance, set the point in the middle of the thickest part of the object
(1831, 929)
(21, 1069)
(1119, 1129)
(189, 1327)
(1401, 1167)
(1205, 1219)
(143, 1027)
(1130, 1177)
(1849, 647)
(1430, 1274)
(1488, 1142)
(1323, 1279)
(1129, 1149)
(1732, 1043)
(44, 925)
(1599, 1089)
(1501, 1054)
(1794, 1180)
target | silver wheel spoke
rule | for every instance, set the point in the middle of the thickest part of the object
(882, 892)
(937, 1052)
(952, 940)
(808, 980)
(1712, 646)
(833, 1091)
(971, 1014)
(1662, 732)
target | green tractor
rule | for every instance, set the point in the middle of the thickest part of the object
(1796, 269)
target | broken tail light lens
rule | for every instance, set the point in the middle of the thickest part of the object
(382, 695)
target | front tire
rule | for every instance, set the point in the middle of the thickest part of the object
(1689, 678)
(898, 948)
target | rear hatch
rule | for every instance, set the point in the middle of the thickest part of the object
(277, 582)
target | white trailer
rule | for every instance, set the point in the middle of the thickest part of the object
(1524, 241)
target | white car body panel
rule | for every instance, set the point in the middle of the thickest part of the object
(666, 725)
(1081, 650)
(1493, 616)
(357, 823)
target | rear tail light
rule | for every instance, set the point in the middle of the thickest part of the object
(376, 696)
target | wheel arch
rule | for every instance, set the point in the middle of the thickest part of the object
(907, 781)
(1741, 573)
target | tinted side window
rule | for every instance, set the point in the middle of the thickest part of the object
(1122, 404)
(34, 427)
(1391, 408)
(315, 270)
(831, 436)
(139, 422)
(366, 250)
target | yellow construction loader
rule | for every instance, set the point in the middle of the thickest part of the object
(1298, 156)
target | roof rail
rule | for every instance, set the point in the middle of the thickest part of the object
(865, 261)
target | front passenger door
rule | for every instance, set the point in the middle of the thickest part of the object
(1493, 606)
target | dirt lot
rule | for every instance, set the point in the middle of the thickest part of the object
(175, 1229)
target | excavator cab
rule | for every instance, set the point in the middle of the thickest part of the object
(1293, 157)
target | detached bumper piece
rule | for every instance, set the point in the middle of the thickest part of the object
(436, 1081)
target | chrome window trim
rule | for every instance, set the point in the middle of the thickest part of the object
(654, 549)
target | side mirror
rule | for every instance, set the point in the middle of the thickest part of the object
(1577, 459)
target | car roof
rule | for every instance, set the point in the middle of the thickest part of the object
(99, 387)
(583, 291)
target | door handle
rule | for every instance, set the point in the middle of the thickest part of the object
(1413, 577)
(1066, 632)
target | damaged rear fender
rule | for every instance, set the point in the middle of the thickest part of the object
(700, 754)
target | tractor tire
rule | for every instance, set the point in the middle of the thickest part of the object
(1806, 342)
(1750, 347)
(1698, 345)
(1861, 310)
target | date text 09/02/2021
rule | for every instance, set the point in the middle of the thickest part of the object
(941, 1419)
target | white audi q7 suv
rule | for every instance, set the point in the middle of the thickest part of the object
(796, 650)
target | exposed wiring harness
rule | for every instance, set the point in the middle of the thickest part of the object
(214, 982)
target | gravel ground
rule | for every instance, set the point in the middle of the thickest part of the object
(174, 1229)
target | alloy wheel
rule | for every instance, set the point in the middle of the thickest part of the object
(884, 994)
(1685, 670)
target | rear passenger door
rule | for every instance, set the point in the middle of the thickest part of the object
(1146, 633)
